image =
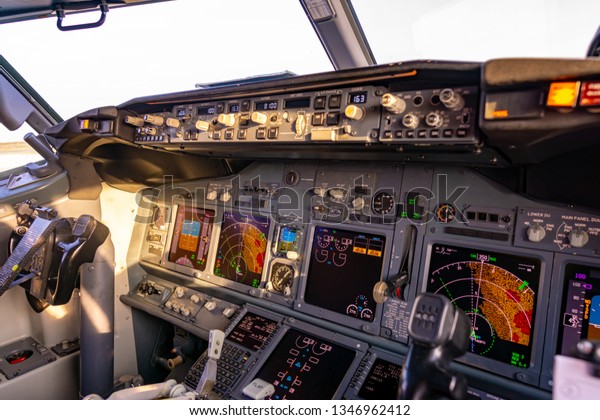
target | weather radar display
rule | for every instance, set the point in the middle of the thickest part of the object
(242, 248)
(498, 294)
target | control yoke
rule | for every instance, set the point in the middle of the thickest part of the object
(439, 332)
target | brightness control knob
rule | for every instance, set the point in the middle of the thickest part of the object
(452, 99)
(578, 238)
(393, 104)
(228, 120)
(434, 119)
(536, 233)
(410, 121)
(354, 112)
(259, 118)
(212, 195)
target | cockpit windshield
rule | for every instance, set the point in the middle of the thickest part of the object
(158, 48)
(474, 30)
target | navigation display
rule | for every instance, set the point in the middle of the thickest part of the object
(344, 266)
(252, 331)
(496, 291)
(242, 248)
(191, 237)
(382, 382)
(299, 363)
(580, 309)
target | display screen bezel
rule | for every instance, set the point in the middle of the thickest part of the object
(164, 260)
(359, 347)
(528, 375)
(320, 312)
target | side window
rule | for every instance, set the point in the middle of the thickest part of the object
(14, 152)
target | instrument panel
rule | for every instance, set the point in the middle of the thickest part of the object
(362, 114)
(314, 252)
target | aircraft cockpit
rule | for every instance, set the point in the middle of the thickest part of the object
(370, 227)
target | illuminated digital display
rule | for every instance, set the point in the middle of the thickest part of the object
(580, 309)
(207, 110)
(191, 237)
(300, 362)
(242, 248)
(234, 107)
(497, 292)
(382, 382)
(252, 331)
(296, 103)
(288, 240)
(357, 98)
(344, 266)
(266, 105)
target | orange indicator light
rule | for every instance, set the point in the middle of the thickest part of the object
(500, 113)
(563, 94)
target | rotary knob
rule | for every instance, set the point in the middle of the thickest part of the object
(433, 119)
(228, 120)
(452, 100)
(410, 121)
(179, 291)
(259, 118)
(320, 191)
(185, 311)
(135, 121)
(154, 119)
(226, 196)
(202, 125)
(578, 238)
(211, 195)
(337, 193)
(393, 104)
(536, 233)
(358, 203)
(354, 112)
(173, 122)
(195, 298)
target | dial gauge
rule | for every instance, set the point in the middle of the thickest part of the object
(383, 203)
(282, 276)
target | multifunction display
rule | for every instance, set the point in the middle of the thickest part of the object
(191, 237)
(382, 382)
(497, 292)
(300, 362)
(242, 248)
(344, 266)
(253, 331)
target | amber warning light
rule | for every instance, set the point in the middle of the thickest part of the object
(590, 94)
(563, 94)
